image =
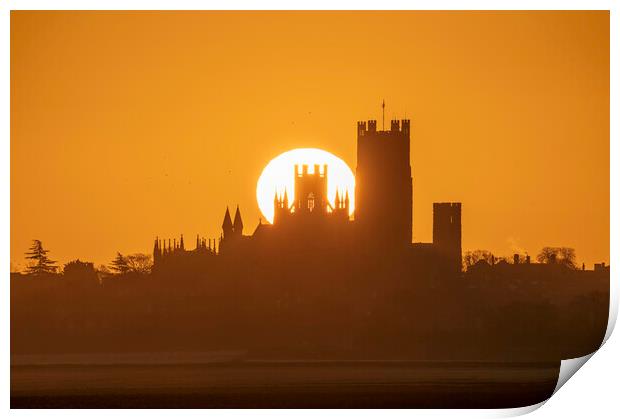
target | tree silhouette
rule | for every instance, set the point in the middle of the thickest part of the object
(139, 263)
(42, 264)
(76, 269)
(135, 263)
(103, 270)
(119, 264)
(561, 255)
(471, 257)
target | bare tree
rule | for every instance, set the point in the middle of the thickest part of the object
(470, 258)
(139, 263)
(568, 257)
(561, 255)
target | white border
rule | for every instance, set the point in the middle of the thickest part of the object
(595, 396)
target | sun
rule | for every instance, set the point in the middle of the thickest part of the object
(278, 176)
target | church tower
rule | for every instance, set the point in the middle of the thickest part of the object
(310, 191)
(383, 183)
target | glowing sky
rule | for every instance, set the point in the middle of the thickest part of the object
(128, 125)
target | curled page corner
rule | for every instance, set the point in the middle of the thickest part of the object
(613, 313)
(568, 368)
(520, 411)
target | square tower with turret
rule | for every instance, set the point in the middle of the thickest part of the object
(383, 183)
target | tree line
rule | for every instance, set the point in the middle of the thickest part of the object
(141, 263)
(40, 264)
(565, 256)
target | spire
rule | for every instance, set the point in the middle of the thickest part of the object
(285, 199)
(346, 201)
(337, 201)
(238, 223)
(182, 245)
(276, 207)
(197, 241)
(156, 251)
(383, 116)
(227, 225)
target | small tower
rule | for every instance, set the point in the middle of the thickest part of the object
(337, 201)
(281, 208)
(340, 209)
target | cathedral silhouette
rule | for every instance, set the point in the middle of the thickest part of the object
(306, 225)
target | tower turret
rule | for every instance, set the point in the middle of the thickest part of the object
(227, 225)
(238, 223)
(156, 252)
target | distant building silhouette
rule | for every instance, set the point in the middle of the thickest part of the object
(447, 233)
(382, 222)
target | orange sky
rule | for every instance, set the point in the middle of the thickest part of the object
(127, 125)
